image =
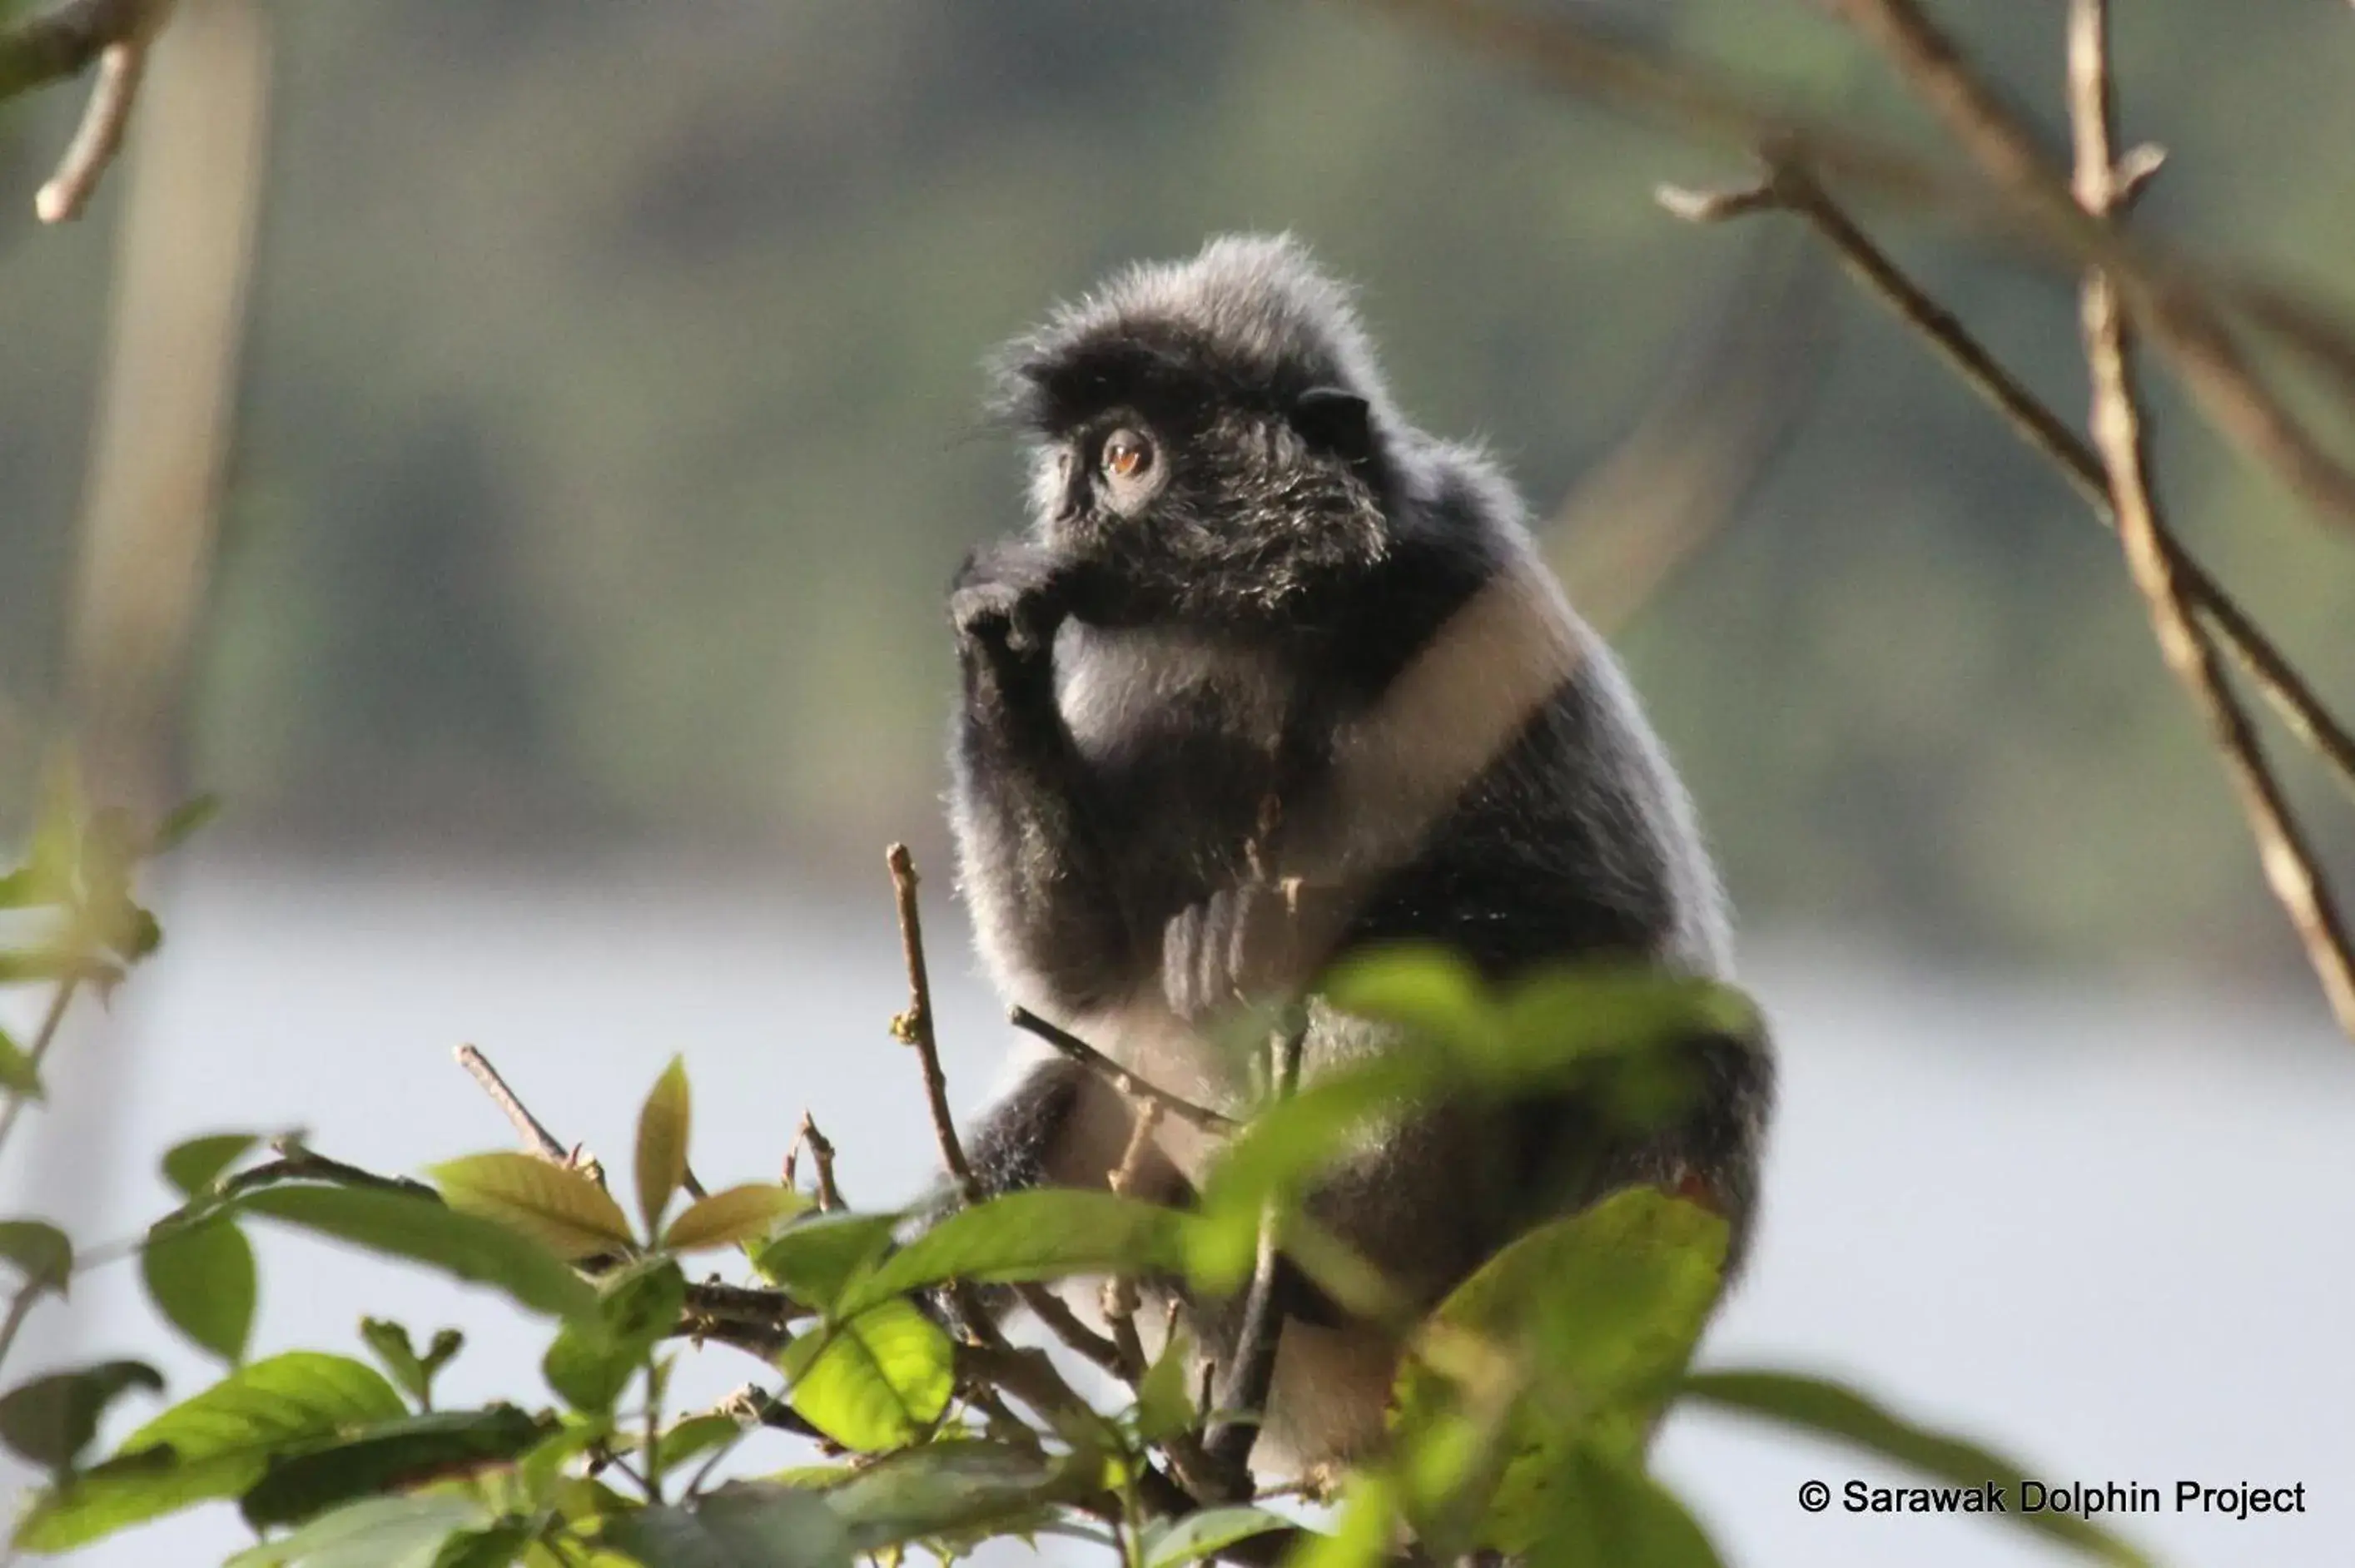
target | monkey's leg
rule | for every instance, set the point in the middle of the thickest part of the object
(1037, 875)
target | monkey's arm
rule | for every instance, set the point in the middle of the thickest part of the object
(1035, 868)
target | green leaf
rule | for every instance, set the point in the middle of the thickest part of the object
(696, 1436)
(1046, 1234)
(876, 1381)
(202, 1279)
(51, 1420)
(1171, 1544)
(393, 1347)
(215, 1444)
(442, 1348)
(739, 1526)
(558, 1206)
(1432, 991)
(1165, 1397)
(1833, 1410)
(816, 1258)
(412, 1226)
(18, 1074)
(377, 1532)
(389, 1458)
(663, 1126)
(183, 820)
(1603, 1310)
(493, 1548)
(1606, 1509)
(593, 1360)
(1363, 1531)
(43, 1254)
(194, 1166)
(739, 1215)
(1282, 1148)
(954, 1485)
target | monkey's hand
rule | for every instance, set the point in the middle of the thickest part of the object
(1010, 597)
(1239, 946)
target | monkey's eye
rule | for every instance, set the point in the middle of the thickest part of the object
(1125, 455)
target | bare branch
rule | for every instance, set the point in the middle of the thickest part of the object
(64, 40)
(1790, 187)
(829, 1196)
(537, 1138)
(1120, 1078)
(914, 1027)
(2178, 318)
(1251, 1374)
(2117, 419)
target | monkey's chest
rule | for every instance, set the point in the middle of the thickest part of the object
(1190, 744)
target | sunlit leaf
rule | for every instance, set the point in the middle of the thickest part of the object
(1199, 1535)
(390, 1456)
(1606, 1509)
(183, 820)
(376, 1533)
(1283, 1148)
(732, 1217)
(1165, 1397)
(1432, 991)
(1603, 1307)
(593, 1358)
(816, 1258)
(1363, 1531)
(696, 1436)
(215, 1444)
(415, 1227)
(201, 1277)
(40, 1251)
(1046, 1234)
(953, 1485)
(737, 1527)
(51, 1420)
(876, 1381)
(18, 1074)
(664, 1122)
(1829, 1409)
(495, 1547)
(195, 1165)
(559, 1207)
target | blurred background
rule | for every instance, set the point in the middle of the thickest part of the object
(600, 432)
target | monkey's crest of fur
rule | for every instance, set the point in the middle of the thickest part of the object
(1251, 314)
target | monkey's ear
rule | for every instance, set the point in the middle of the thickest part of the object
(1335, 419)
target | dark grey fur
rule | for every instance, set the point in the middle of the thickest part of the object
(1162, 699)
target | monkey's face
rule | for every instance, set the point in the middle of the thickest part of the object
(1204, 505)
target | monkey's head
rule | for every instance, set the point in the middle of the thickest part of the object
(1210, 435)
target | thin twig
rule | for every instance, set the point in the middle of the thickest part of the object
(829, 1196)
(2177, 317)
(99, 137)
(46, 1036)
(1119, 1077)
(1120, 1297)
(1790, 187)
(1251, 1376)
(537, 1138)
(64, 41)
(914, 1027)
(2117, 419)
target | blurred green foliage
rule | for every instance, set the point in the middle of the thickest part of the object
(606, 415)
